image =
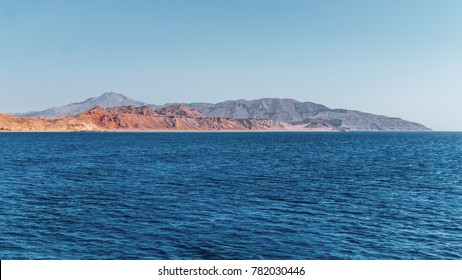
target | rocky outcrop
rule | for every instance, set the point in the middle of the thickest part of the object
(14, 123)
(180, 110)
(175, 117)
(131, 118)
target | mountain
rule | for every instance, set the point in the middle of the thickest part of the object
(107, 100)
(293, 114)
(306, 115)
(132, 118)
(279, 110)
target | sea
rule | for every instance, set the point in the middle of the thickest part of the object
(270, 195)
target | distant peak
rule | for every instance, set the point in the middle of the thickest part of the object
(112, 94)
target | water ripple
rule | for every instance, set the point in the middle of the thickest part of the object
(231, 196)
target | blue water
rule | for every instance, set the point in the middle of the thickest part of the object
(231, 195)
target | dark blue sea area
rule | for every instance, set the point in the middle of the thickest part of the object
(231, 195)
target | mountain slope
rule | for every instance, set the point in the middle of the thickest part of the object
(107, 100)
(306, 114)
(131, 118)
(280, 110)
(349, 120)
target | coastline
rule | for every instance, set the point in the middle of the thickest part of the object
(164, 131)
(225, 131)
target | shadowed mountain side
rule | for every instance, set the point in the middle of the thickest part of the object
(131, 118)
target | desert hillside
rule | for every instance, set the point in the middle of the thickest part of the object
(132, 118)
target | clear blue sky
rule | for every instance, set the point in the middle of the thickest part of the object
(398, 58)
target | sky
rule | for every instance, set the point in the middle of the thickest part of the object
(398, 58)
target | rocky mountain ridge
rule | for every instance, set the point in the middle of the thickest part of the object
(292, 114)
(132, 118)
(308, 114)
